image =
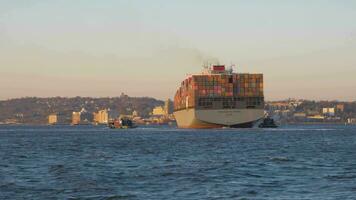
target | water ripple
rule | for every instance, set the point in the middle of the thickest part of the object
(64, 162)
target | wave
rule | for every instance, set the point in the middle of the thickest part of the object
(281, 159)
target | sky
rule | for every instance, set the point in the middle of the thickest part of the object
(306, 49)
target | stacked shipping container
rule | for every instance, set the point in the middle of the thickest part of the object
(217, 85)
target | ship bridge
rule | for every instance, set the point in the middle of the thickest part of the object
(216, 69)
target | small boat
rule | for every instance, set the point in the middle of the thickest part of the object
(268, 123)
(122, 123)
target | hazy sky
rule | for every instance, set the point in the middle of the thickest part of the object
(305, 49)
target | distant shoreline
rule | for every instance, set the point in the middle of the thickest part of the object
(87, 125)
(317, 123)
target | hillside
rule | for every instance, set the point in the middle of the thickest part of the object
(33, 110)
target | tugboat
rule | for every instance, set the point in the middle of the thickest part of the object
(268, 123)
(122, 123)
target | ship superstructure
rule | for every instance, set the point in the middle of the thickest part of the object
(219, 98)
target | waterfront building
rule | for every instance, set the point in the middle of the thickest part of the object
(159, 110)
(165, 110)
(101, 117)
(168, 107)
(52, 119)
(340, 107)
(329, 111)
(279, 105)
(300, 115)
(76, 118)
(315, 118)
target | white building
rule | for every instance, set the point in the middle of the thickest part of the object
(329, 111)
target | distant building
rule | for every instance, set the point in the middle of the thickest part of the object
(340, 107)
(300, 115)
(165, 110)
(312, 112)
(76, 118)
(52, 119)
(315, 118)
(351, 121)
(101, 117)
(329, 111)
(159, 110)
(279, 105)
(295, 103)
(135, 113)
(11, 121)
(168, 107)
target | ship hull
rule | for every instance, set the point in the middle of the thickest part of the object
(203, 119)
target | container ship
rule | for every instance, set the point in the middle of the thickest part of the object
(218, 98)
